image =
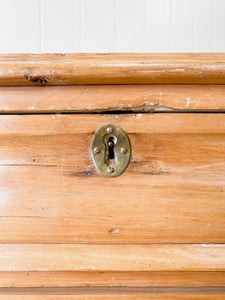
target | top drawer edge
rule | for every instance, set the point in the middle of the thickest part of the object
(125, 68)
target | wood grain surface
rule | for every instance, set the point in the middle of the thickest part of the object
(99, 98)
(52, 193)
(87, 257)
(112, 278)
(71, 69)
(112, 293)
(157, 231)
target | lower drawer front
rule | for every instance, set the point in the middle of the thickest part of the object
(161, 223)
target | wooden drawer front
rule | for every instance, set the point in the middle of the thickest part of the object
(172, 192)
(155, 232)
(53, 197)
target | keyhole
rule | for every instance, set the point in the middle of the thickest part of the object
(111, 148)
(110, 158)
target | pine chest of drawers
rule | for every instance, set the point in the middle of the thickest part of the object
(156, 231)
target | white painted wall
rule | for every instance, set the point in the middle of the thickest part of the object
(112, 26)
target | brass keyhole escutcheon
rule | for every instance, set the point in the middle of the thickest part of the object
(111, 150)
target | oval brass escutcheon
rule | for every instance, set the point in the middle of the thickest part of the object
(111, 150)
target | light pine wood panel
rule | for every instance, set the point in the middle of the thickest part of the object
(52, 193)
(86, 257)
(109, 278)
(137, 98)
(56, 124)
(70, 69)
(112, 293)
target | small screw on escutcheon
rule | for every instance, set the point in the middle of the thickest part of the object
(96, 150)
(123, 150)
(109, 130)
(110, 170)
